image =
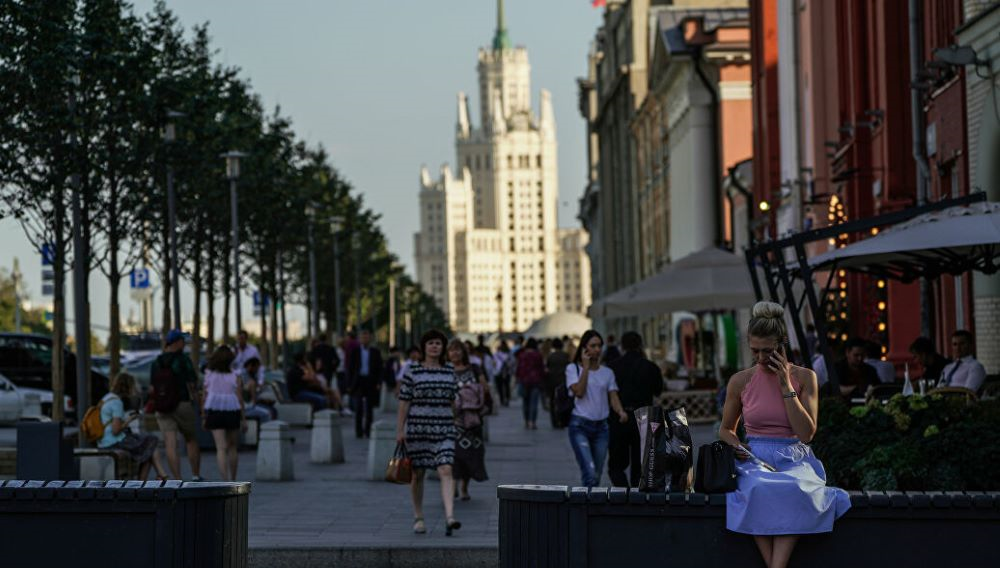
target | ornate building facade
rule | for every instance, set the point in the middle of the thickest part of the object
(489, 248)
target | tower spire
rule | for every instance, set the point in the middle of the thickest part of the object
(501, 41)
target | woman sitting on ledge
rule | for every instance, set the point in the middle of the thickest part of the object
(782, 494)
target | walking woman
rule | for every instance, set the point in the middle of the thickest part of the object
(222, 410)
(530, 374)
(778, 404)
(426, 425)
(470, 450)
(141, 448)
(596, 394)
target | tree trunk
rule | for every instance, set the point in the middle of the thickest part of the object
(284, 320)
(115, 335)
(263, 322)
(196, 323)
(59, 309)
(226, 289)
(165, 282)
(272, 350)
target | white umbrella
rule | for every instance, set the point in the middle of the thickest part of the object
(708, 280)
(951, 241)
(559, 324)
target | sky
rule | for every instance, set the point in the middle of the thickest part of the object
(375, 82)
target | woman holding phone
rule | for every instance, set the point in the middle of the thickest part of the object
(781, 488)
(595, 393)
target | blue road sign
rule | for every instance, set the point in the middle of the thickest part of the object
(48, 254)
(139, 278)
(256, 299)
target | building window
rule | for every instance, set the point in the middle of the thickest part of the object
(541, 244)
(477, 162)
(538, 160)
(510, 162)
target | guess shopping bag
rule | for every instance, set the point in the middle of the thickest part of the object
(399, 469)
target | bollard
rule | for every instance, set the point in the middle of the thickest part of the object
(327, 444)
(388, 401)
(274, 452)
(380, 448)
(31, 405)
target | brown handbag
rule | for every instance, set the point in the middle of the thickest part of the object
(399, 469)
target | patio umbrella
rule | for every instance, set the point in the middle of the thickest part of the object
(708, 280)
(559, 324)
(951, 241)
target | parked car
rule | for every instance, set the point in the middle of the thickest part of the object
(10, 402)
(26, 360)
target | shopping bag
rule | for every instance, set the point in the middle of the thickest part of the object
(665, 440)
(399, 469)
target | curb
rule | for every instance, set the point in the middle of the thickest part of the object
(367, 557)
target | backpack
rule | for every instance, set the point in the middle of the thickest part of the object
(91, 425)
(164, 387)
(565, 401)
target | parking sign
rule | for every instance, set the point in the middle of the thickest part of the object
(139, 278)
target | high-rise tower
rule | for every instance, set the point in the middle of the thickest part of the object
(489, 248)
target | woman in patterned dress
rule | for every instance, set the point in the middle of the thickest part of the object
(426, 425)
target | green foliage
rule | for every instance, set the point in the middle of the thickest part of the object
(132, 71)
(917, 443)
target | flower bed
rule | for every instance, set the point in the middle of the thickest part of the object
(916, 443)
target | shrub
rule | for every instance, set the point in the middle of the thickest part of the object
(916, 443)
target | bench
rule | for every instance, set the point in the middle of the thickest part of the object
(105, 465)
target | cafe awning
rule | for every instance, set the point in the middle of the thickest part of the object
(950, 241)
(708, 280)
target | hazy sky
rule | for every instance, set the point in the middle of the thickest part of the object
(375, 82)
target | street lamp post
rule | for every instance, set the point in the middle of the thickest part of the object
(81, 258)
(170, 136)
(355, 249)
(233, 173)
(336, 224)
(313, 293)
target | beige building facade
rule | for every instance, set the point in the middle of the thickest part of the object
(489, 248)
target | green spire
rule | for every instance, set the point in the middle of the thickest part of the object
(500, 40)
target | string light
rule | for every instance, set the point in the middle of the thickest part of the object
(881, 326)
(881, 306)
(874, 231)
(881, 284)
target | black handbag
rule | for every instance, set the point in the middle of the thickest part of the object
(716, 471)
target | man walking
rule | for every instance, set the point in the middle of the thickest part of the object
(639, 381)
(364, 375)
(555, 374)
(174, 396)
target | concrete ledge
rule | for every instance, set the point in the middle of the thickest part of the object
(362, 557)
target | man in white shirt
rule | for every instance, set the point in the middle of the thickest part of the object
(245, 352)
(964, 371)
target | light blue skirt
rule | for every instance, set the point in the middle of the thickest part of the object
(792, 500)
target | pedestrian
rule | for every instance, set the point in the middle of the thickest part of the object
(854, 375)
(413, 357)
(141, 448)
(243, 352)
(595, 395)
(174, 395)
(364, 371)
(778, 403)
(390, 370)
(530, 374)
(502, 375)
(885, 370)
(611, 351)
(426, 426)
(965, 371)
(470, 448)
(222, 410)
(253, 407)
(639, 381)
(325, 360)
(555, 373)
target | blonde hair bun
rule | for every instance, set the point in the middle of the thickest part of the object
(767, 320)
(768, 310)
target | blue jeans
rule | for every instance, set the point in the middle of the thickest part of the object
(531, 396)
(317, 400)
(590, 444)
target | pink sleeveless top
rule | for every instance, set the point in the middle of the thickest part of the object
(764, 408)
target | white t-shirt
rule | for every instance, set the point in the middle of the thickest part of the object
(594, 405)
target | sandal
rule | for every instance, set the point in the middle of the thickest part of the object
(451, 525)
(418, 526)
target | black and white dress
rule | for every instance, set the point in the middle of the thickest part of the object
(430, 424)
